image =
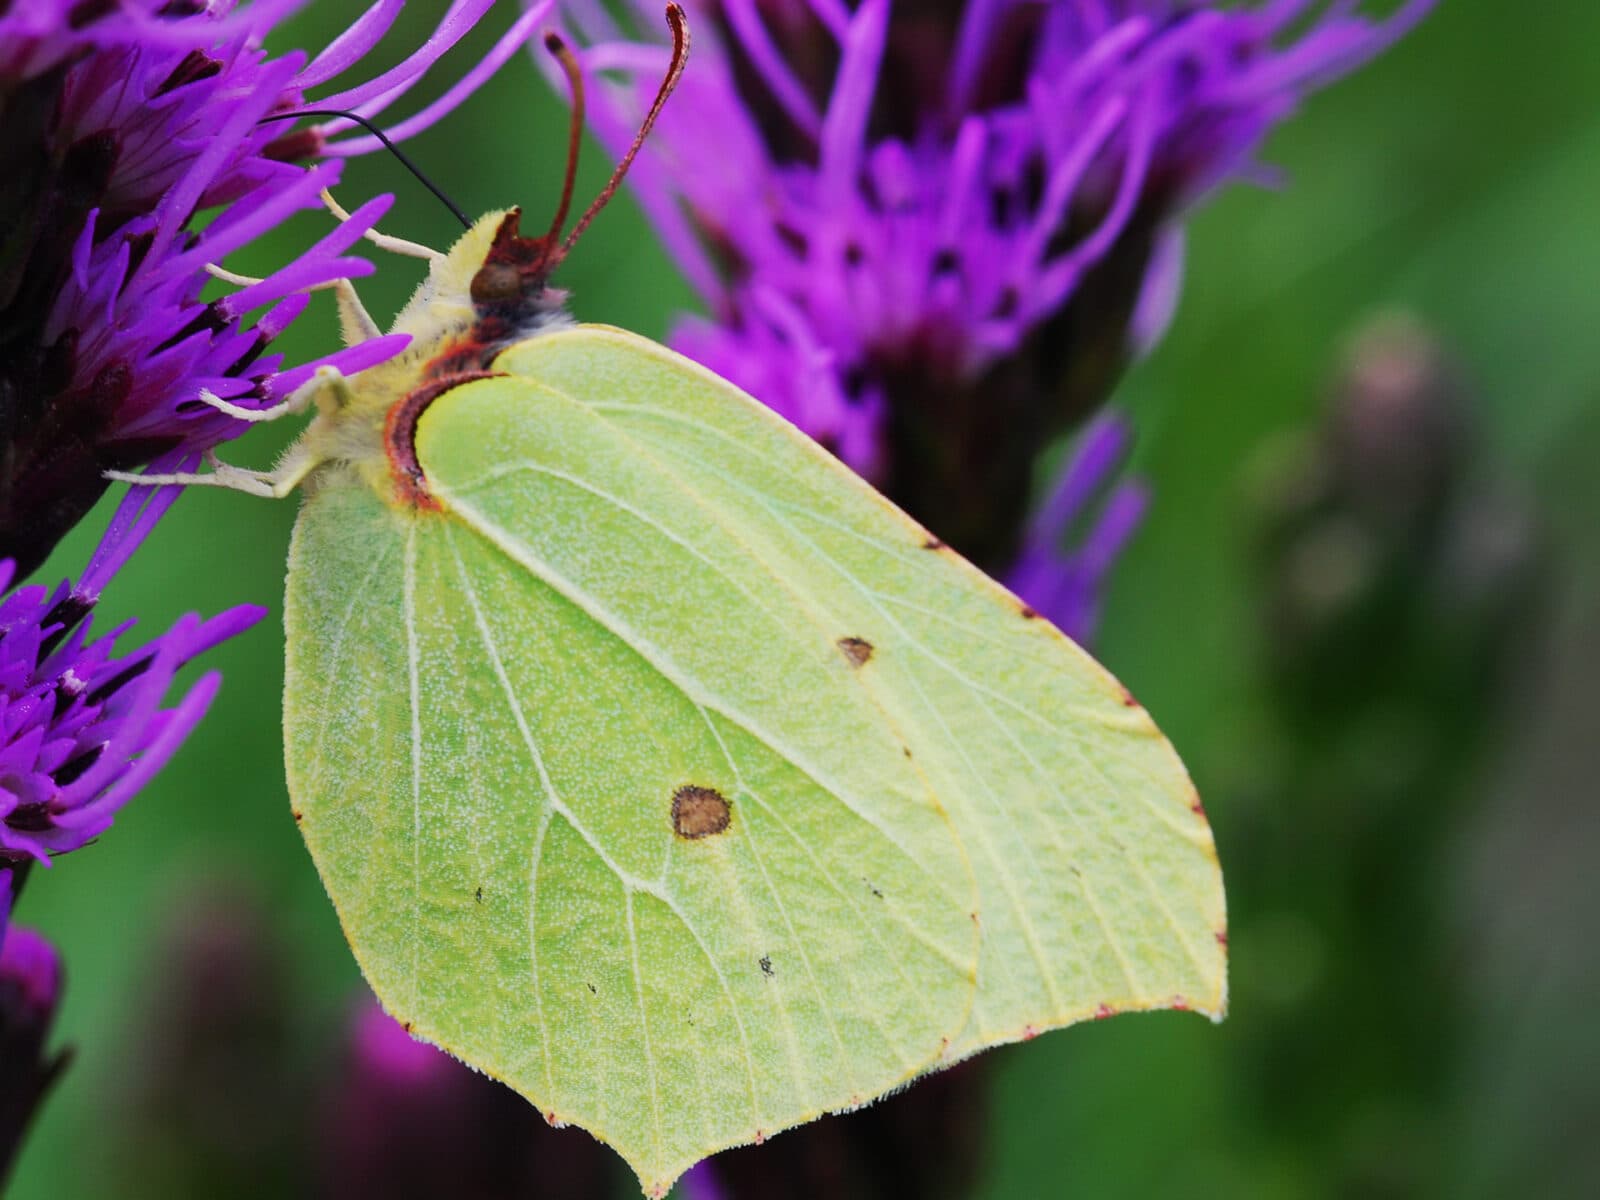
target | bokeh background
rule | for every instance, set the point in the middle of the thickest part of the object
(1404, 792)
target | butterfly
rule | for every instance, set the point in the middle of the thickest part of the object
(659, 767)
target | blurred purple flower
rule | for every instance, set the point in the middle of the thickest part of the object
(30, 990)
(933, 235)
(82, 727)
(1071, 542)
(404, 1120)
(208, 1097)
(121, 122)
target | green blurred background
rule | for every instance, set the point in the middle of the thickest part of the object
(1457, 179)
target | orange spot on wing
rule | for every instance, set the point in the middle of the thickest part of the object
(400, 438)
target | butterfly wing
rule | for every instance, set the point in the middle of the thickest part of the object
(602, 805)
(1099, 889)
(675, 777)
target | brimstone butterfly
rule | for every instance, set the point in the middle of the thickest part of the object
(660, 768)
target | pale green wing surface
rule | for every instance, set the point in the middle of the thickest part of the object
(491, 713)
(1098, 883)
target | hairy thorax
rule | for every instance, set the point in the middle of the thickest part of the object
(365, 431)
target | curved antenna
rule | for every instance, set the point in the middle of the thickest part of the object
(569, 65)
(680, 56)
(405, 160)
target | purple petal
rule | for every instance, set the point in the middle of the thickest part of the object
(177, 206)
(469, 83)
(348, 361)
(352, 45)
(785, 86)
(455, 25)
(845, 125)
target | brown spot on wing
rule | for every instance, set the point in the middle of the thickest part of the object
(857, 650)
(699, 812)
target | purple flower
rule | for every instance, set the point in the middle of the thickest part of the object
(121, 123)
(82, 726)
(30, 989)
(1071, 541)
(215, 1048)
(933, 235)
(403, 1119)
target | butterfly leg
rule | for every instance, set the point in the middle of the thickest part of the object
(270, 485)
(233, 277)
(355, 322)
(326, 379)
(383, 241)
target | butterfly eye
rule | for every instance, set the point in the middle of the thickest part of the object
(497, 283)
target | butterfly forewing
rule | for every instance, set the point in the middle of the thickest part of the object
(670, 774)
(600, 800)
(1099, 888)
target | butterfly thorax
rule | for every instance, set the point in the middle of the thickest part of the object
(510, 300)
(488, 293)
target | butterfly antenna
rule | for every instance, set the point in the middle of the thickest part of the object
(680, 56)
(404, 159)
(569, 65)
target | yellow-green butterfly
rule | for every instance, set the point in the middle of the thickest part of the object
(660, 768)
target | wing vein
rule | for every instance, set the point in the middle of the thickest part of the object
(492, 652)
(783, 912)
(647, 650)
(1002, 812)
(409, 591)
(644, 1021)
(555, 805)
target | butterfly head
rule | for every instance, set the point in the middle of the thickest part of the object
(493, 288)
(516, 270)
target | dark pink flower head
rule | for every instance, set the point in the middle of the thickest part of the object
(82, 725)
(933, 234)
(403, 1120)
(30, 992)
(121, 123)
